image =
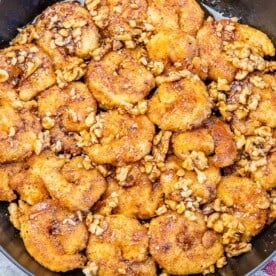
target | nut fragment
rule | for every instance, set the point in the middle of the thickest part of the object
(11, 131)
(237, 249)
(161, 210)
(4, 75)
(121, 173)
(91, 269)
(48, 122)
(38, 147)
(97, 225)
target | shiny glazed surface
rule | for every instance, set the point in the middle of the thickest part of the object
(258, 11)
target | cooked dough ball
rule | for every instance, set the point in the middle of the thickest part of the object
(19, 131)
(119, 79)
(123, 138)
(178, 188)
(248, 201)
(52, 235)
(266, 175)
(74, 105)
(29, 187)
(210, 48)
(183, 245)
(215, 139)
(64, 112)
(65, 31)
(199, 139)
(179, 105)
(225, 146)
(175, 14)
(226, 46)
(168, 46)
(124, 194)
(254, 38)
(27, 69)
(121, 247)
(67, 181)
(6, 173)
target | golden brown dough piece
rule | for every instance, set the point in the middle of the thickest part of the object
(64, 112)
(73, 106)
(211, 50)
(183, 245)
(227, 46)
(52, 235)
(225, 146)
(19, 129)
(29, 186)
(179, 105)
(121, 138)
(133, 194)
(255, 39)
(215, 139)
(175, 14)
(175, 47)
(119, 79)
(64, 178)
(27, 69)
(248, 201)
(67, 33)
(199, 139)
(121, 247)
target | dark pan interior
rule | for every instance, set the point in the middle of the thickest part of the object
(259, 13)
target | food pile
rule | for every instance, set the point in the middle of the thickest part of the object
(137, 137)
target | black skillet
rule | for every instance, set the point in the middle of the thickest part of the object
(17, 13)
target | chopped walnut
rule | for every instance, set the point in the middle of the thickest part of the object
(91, 269)
(86, 163)
(221, 262)
(175, 76)
(104, 170)
(244, 57)
(26, 35)
(90, 119)
(161, 210)
(4, 75)
(237, 248)
(73, 70)
(161, 144)
(48, 122)
(83, 139)
(258, 82)
(190, 215)
(156, 67)
(96, 224)
(122, 173)
(139, 109)
(195, 160)
(110, 203)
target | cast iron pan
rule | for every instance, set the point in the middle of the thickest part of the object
(259, 13)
